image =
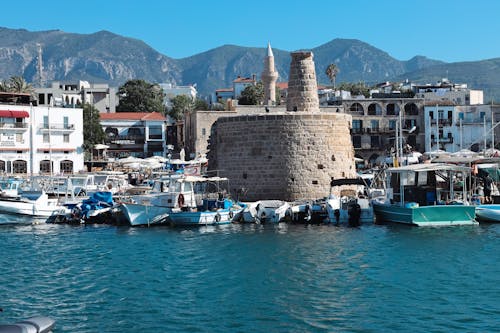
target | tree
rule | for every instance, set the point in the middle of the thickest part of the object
(331, 71)
(252, 94)
(180, 105)
(358, 88)
(92, 129)
(200, 104)
(17, 84)
(141, 96)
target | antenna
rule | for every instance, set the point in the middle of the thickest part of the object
(40, 66)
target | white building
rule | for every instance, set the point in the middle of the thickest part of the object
(33, 136)
(445, 90)
(171, 91)
(452, 128)
(100, 95)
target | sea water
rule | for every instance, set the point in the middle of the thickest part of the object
(252, 278)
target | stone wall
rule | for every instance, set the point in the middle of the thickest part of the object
(286, 155)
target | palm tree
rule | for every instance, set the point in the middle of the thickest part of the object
(331, 71)
(19, 85)
(4, 86)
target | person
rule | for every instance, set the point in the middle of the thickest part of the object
(487, 189)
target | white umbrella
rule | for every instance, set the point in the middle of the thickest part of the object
(100, 146)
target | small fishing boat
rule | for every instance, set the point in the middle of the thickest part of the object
(426, 195)
(21, 198)
(98, 208)
(488, 213)
(37, 324)
(202, 201)
(266, 211)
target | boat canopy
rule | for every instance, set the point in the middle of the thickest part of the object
(347, 181)
(429, 167)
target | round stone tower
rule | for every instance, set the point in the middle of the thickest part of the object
(302, 86)
(269, 77)
(285, 155)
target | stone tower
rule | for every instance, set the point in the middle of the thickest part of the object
(302, 86)
(285, 155)
(269, 77)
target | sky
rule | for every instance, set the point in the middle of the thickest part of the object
(447, 30)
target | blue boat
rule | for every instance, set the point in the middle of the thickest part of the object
(426, 195)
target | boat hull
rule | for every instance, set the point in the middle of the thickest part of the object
(139, 214)
(439, 215)
(38, 208)
(488, 213)
(188, 218)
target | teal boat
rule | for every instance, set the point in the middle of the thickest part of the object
(426, 195)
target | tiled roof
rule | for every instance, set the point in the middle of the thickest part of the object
(133, 116)
(244, 80)
(282, 85)
(224, 90)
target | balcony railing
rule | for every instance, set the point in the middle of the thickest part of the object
(57, 127)
(126, 139)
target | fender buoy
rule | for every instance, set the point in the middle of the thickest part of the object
(231, 214)
(180, 199)
(217, 217)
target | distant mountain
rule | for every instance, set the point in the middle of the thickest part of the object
(104, 57)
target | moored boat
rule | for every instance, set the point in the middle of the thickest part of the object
(351, 206)
(37, 324)
(488, 213)
(426, 195)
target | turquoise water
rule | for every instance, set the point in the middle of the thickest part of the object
(252, 278)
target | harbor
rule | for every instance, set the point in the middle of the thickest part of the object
(261, 278)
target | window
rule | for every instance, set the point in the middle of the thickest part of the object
(203, 131)
(356, 141)
(392, 124)
(374, 125)
(66, 122)
(450, 115)
(461, 115)
(66, 138)
(46, 137)
(45, 166)
(482, 114)
(375, 141)
(431, 114)
(155, 132)
(45, 122)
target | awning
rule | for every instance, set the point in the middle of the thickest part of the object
(14, 114)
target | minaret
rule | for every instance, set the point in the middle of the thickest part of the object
(269, 77)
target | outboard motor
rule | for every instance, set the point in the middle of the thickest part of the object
(38, 324)
(354, 212)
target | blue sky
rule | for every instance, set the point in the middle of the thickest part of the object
(448, 30)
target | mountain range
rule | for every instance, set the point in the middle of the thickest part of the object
(105, 57)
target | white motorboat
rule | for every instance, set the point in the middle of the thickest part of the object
(267, 211)
(31, 202)
(37, 324)
(353, 207)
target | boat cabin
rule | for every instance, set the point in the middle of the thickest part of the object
(427, 184)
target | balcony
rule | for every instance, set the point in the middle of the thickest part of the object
(442, 122)
(126, 139)
(57, 127)
(13, 127)
(446, 139)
